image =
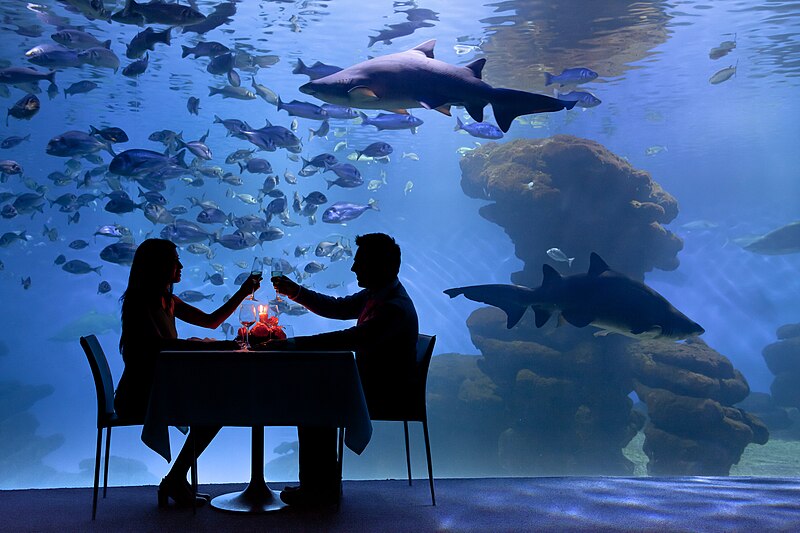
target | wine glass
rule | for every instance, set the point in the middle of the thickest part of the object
(276, 273)
(256, 270)
(248, 314)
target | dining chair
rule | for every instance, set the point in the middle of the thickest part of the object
(414, 407)
(106, 416)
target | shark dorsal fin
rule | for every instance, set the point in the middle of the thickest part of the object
(426, 48)
(476, 67)
(596, 265)
(551, 275)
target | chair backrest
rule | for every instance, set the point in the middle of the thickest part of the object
(425, 345)
(103, 382)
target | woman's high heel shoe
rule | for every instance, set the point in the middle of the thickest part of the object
(179, 491)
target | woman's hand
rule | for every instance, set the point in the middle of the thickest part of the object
(251, 284)
(284, 285)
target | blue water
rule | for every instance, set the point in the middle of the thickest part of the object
(731, 158)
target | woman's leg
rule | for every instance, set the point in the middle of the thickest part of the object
(200, 437)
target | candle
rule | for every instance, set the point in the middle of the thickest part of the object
(262, 313)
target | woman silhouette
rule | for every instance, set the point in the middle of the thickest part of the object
(149, 310)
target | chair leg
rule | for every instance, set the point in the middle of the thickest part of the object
(194, 477)
(108, 454)
(341, 464)
(96, 472)
(408, 454)
(428, 453)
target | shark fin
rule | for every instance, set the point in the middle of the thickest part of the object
(428, 104)
(426, 48)
(444, 109)
(551, 276)
(542, 317)
(577, 319)
(596, 265)
(508, 104)
(514, 314)
(476, 67)
(399, 111)
(475, 111)
(362, 93)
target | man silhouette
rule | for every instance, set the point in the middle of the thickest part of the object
(384, 340)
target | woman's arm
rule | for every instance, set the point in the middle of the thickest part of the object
(192, 315)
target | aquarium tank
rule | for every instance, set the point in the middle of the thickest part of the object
(597, 205)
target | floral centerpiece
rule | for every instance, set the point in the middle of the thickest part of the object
(267, 327)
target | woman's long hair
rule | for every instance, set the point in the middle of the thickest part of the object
(149, 282)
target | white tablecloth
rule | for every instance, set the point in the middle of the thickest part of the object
(236, 388)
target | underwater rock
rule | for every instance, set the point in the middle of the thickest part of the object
(783, 360)
(21, 450)
(692, 368)
(565, 392)
(689, 390)
(579, 197)
(788, 331)
(764, 407)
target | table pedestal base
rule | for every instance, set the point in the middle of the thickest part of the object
(253, 499)
(257, 497)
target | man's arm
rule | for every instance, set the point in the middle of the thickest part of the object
(345, 308)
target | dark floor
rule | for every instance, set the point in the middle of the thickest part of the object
(481, 505)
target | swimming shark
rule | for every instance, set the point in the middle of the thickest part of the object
(602, 298)
(414, 78)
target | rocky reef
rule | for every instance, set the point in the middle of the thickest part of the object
(783, 360)
(556, 400)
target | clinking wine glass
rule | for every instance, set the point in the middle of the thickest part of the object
(248, 314)
(256, 270)
(275, 273)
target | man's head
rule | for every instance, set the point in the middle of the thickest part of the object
(377, 260)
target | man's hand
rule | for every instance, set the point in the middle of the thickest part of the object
(284, 285)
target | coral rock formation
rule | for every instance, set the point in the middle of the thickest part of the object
(783, 360)
(690, 390)
(560, 396)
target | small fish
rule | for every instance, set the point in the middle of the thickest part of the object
(194, 296)
(103, 287)
(570, 76)
(293, 126)
(26, 283)
(215, 279)
(76, 266)
(341, 212)
(723, 75)
(60, 260)
(410, 155)
(408, 187)
(583, 99)
(655, 149)
(193, 105)
(79, 244)
(25, 108)
(238, 93)
(375, 150)
(138, 67)
(13, 140)
(80, 87)
(341, 145)
(557, 255)
(483, 130)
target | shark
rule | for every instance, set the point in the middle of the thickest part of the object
(414, 78)
(601, 297)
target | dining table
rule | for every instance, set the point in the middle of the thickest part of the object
(256, 389)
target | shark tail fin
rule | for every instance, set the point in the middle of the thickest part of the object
(508, 104)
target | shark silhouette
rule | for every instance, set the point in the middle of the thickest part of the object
(415, 79)
(602, 298)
